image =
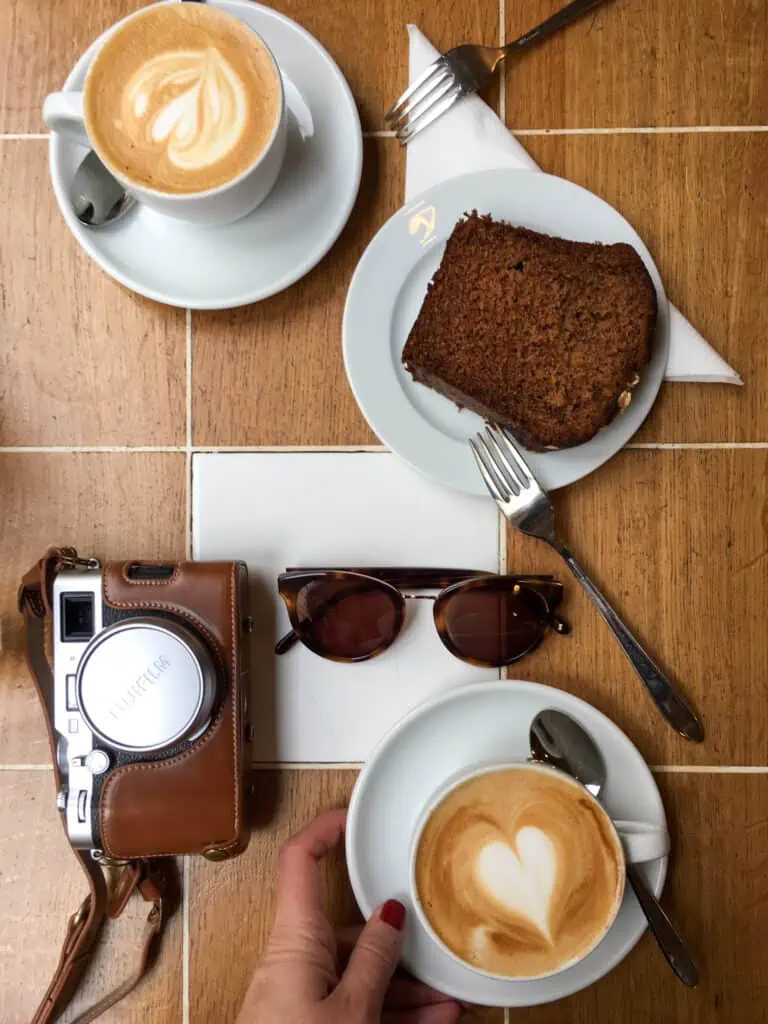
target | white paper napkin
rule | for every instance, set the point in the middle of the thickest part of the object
(281, 509)
(470, 137)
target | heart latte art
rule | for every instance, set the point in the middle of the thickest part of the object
(189, 103)
(182, 98)
(519, 872)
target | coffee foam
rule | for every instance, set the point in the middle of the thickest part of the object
(518, 872)
(182, 98)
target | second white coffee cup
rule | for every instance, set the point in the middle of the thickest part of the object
(637, 842)
(64, 112)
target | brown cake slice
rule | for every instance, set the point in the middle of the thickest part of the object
(544, 335)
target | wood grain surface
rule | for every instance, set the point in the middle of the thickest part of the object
(641, 62)
(370, 42)
(273, 373)
(114, 505)
(678, 541)
(82, 360)
(39, 43)
(42, 886)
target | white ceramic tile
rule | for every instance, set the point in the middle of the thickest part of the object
(276, 510)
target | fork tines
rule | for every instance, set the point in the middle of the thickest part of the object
(431, 95)
(503, 468)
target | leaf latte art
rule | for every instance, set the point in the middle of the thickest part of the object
(189, 102)
(519, 872)
(182, 98)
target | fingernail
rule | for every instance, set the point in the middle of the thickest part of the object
(393, 914)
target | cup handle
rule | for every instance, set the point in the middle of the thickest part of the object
(63, 112)
(642, 841)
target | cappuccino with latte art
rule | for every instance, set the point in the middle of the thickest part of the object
(182, 98)
(519, 871)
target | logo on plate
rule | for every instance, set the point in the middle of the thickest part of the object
(423, 221)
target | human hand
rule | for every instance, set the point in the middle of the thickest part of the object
(310, 975)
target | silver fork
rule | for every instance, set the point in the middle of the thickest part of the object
(465, 70)
(525, 504)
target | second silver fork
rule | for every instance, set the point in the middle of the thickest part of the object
(465, 70)
(525, 504)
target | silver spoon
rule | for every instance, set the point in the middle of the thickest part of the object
(97, 196)
(559, 740)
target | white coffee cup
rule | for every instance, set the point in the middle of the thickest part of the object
(63, 113)
(636, 842)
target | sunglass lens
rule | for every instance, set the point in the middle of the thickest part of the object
(493, 623)
(349, 618)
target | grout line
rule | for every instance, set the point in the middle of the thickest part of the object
(21, 136)
(185, 945)
(267, 766)
(691, 129)
(697, 445)
(89, 449)
(704, 129)
(503, 68)
(188, 426)
(709, 769)
(25, 449)
(670, 769)
(188, 489)
(293, 448)
(506, 1015)
(188, 375)
(161, 449)
(661, 769)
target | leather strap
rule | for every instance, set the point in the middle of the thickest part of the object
(152, 878)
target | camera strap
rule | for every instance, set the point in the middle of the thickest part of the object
(152, 878)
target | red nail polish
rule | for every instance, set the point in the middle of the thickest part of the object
(393, 914)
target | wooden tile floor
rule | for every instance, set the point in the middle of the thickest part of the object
(660, 107)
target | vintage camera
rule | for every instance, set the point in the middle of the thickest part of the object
(150, 707)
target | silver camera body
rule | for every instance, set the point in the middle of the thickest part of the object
(128, 687)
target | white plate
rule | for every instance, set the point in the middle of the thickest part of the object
(221, 267)
(386, 293)
(466, 726)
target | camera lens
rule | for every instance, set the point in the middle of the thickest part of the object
(76, 617)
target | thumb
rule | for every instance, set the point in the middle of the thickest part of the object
(374, 959)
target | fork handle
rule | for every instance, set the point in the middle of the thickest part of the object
(547, 28)
(673, 707)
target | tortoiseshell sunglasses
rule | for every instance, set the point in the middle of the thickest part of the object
(482, 618)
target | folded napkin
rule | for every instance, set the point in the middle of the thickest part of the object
(470, 137)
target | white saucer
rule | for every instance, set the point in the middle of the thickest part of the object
(221, 267)
(386, 293)
(466, 726)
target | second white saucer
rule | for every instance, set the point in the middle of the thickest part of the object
(222, 267)
(471, 725)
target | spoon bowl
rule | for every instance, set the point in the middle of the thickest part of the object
(558, 740)
(97, 196)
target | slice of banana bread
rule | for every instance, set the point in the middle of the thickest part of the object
(544, 335)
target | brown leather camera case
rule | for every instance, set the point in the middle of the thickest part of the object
(191, 802)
